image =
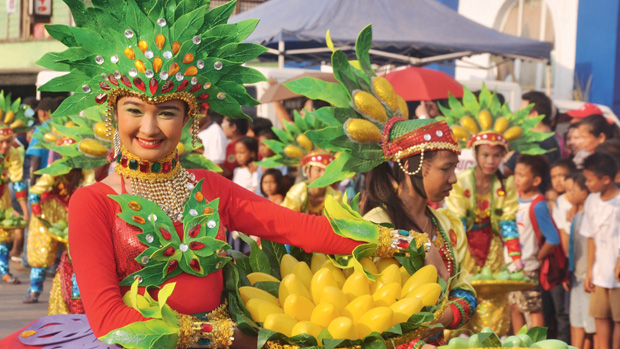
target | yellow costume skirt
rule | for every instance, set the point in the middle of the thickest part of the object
(493, 310)
(42, 248)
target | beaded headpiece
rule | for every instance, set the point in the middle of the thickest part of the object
(82, 142)
(484, 120)
(294, 148)
(367, 120)
(15, 118)
(156, 50)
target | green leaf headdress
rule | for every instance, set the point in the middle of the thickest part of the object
(367, 121)
(484, 120)
(83, 142)
(294, 148)
(14, 117)
(156, 50)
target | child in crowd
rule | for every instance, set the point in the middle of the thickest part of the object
(265, 152)
(583, 330)
(601, 225)
(272, 186)
(554, 301)
(234, 129)
(528, 176)
(612, 147)
(244, 174)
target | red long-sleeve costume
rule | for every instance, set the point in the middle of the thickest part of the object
(101, 261)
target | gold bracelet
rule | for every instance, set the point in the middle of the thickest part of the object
(187, 336)
(397, 241)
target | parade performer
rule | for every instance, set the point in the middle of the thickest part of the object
(14, 119)
(152, 223)
(295, 149)
(84, 149)
(483, 199)
(368, 123)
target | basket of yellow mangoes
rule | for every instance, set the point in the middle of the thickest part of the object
(296, 299)
(535, 337)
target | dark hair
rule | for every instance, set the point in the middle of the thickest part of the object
(380, 190)
(251, 143)
(602, 164)
(259, 124)
(277, 176)
(578, 177)
(598, 124)
(268, 133)
(542, 105)
(539, 166)
(610, 146)
(241, 123)
(568, 164)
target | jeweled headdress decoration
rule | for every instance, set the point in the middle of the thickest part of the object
(156, 50)
(294, 148)
(484, 120)
(15, 118)
(367, 120)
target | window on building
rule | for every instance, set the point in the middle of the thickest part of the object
(530, 19)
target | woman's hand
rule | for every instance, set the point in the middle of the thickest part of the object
(243, 341)
(433, 257)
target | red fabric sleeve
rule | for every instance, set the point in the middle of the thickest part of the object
(251, 214)
(91, 217)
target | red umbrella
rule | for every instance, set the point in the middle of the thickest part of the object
(421, 84)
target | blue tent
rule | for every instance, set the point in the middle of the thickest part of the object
(413, 31)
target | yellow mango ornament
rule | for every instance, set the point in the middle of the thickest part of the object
(342, 328)
(428, 293)
(369, 106)
(485, 119)
(513, 133)
(382, 88)
(260, 309)
(323, 278)
(92, 148)
(377, 319)
(323, 314)
(356, 285)
(425, 275)
(260, 277)
(358, 307)
(280, 323)
(306, 327)
(249, 292)
(501, 125)
(404, 308)
(298, 307)
(291, 285)
(469, 124)
(362, 131)
(304, 141)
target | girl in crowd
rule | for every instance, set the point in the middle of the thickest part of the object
(245, 174)
(483, 199)
(272, 186)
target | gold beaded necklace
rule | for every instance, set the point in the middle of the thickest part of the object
(164, 182)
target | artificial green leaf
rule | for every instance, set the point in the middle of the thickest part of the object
(269, 286)
(274, 252)
(470, 102)
(334, 172)
(362, 49)
(343, 71)
(258, 259)
(537, 334)
(142, 334)
(314, 88)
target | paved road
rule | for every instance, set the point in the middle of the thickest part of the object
(14, 315)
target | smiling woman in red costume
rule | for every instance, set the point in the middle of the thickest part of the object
(152, 223)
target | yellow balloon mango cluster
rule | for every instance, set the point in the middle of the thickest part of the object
(374, 107)
(346, 302)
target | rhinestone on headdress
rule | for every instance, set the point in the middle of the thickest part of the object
(218, 65)
(133, 72)
(161, 22)
(193, 212)
(183, 247)
(149, 73)
(207, 85)
(114, 59)
(117, 74)
(148, 54)
(221, 95)
(427, 137)
(200, 64)
(194, 80)
(167, 54)
(211, 224)
(86, 89)
(163, 75)
(99, 59)
(179, 76)
(196, 39)
(149, 238)
(128, 33)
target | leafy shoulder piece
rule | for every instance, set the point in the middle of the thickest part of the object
(198, 252)
(484, 120)
(161, 331)
(362, 103)
(191, 157)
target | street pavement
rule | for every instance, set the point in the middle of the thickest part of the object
(14, 314)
